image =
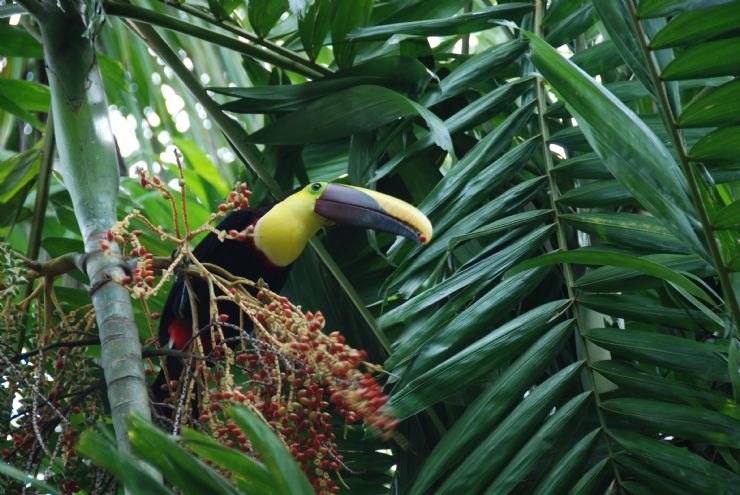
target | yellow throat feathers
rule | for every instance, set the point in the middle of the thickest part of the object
(283, 232)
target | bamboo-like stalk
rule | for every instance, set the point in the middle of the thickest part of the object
(89, 166)
(39, 207)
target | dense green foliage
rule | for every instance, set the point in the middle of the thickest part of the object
(573, 325)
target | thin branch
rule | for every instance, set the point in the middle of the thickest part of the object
(39, 211)
(55, 267)
(55, 345)
(249, 36)
(42, 191)
(148, 16)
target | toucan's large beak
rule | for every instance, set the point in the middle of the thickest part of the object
(349, 205)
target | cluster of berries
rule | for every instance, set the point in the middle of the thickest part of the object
(304, 383)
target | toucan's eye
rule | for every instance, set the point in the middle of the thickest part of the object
(315, 186)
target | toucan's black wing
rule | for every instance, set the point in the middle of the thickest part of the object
(235, 257)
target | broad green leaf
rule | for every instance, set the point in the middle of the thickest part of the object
(510, 222)
(637, 308)
(115, 76)
(721, 145)
(402, 73)
(287, 477)
(566, 469)
(643, 383)
(473, 114)
(460, 24)
(705, 60)
(493, 264)
(177, 465)
(486, 150)
(30, 96)
(58, 246)
(627, 90)
(493, 452)
(17, 171)
(575, 24)
(101, 449)
(599, 58)
(598, 194)
(460, 220)
(473, 362)
(250, 475)
(699, 359)
(264, 14)
(700, 25)
(529, 457)
(205, 171)
(596, 256)
(469, 326)
(346, 17)
(10, 106)
(481, 67)
(634, 155)
(352, 111)
(484, 183)
(415, 9)
(571, 138)
(617, 19)
(12, 211)
(657, 8)
(491, 405)
(651, 482)
(360, 160)
(559, 10)
(222, 9)
(585, 166)
(627, 229)
(688, 422)
(16, 42)
(617, 279)
(313, 26)
(679, 463)
(26, 479)
(721, 107)
(594, 479)
(728, 217)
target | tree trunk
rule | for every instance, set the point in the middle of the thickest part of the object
(89, 166)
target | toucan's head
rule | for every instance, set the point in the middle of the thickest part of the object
(282, 233)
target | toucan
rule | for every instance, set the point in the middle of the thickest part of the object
(280, 233)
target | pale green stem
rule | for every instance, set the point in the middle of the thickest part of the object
(88, 164)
